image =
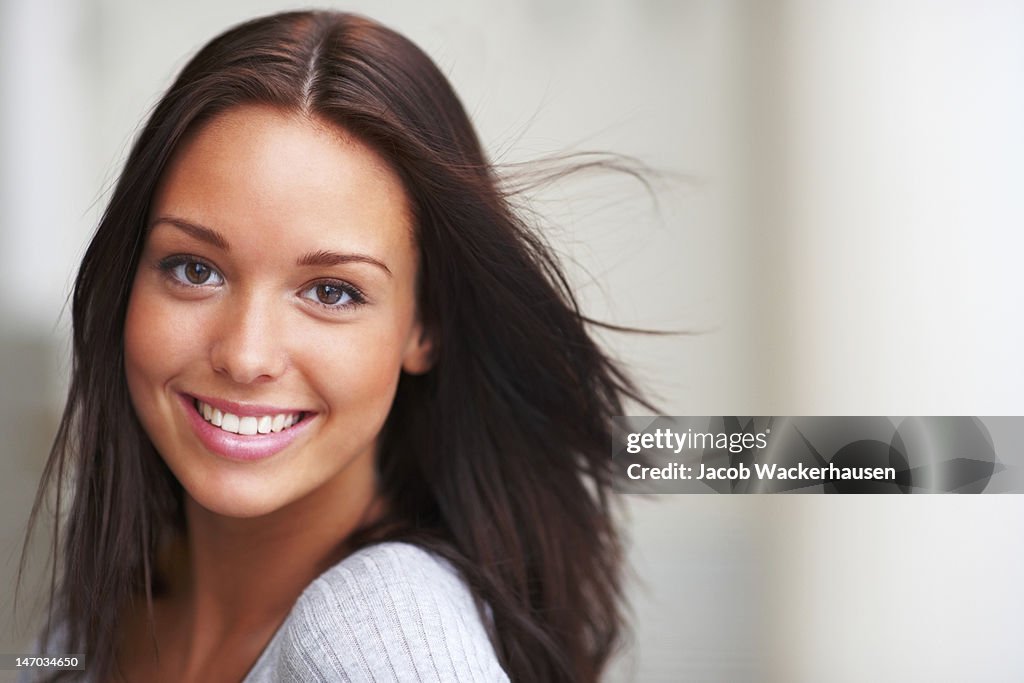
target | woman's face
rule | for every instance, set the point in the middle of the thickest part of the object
(272, 312)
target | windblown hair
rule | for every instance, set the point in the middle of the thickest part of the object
(497, 458)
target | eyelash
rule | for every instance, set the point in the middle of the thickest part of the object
(171, 264)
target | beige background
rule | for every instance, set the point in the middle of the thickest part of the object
(852, 246)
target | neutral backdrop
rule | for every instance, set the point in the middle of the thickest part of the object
(840, 223)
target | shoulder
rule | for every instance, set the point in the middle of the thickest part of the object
(392, 611)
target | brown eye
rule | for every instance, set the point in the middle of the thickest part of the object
(334, 295)
(197, 273)
(190, 272)
(329, 294)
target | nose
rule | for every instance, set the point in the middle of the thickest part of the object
(247, 345)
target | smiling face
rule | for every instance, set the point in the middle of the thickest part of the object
(273, 310)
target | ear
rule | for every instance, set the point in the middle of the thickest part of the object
(420, 351)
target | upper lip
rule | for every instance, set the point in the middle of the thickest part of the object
(245, 409)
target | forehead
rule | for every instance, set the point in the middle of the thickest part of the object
(259, 173)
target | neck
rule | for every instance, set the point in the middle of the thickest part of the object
(244, 574)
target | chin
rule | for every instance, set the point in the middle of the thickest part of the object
(235, 499)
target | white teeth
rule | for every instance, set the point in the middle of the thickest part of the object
(249, 425)
(230, 423)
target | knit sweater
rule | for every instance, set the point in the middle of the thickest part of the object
(389, 612)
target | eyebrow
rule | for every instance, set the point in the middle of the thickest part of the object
(319, 258)
(199, 232)
(333, 258)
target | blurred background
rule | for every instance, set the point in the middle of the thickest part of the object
(841, 222)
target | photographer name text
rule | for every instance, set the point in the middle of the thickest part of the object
(762, 471)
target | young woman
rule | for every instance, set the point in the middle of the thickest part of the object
(334, 413)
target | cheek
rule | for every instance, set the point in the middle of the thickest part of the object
(357, 370)
(141, 357)
(138, 339)
(154, 344)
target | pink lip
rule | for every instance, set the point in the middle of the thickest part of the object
(244, 409)
(239, 446)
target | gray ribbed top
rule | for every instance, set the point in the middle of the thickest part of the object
(390, 612)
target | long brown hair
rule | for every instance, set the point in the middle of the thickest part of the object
(498, 458)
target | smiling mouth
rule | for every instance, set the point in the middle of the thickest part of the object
(248, 425)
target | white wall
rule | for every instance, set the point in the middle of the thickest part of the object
(892, 184)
